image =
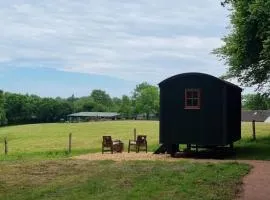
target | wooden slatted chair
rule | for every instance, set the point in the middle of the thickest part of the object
(132, 143)
(138, 144)
(141, 142)
(107, 144)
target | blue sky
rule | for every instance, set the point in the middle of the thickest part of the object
(60, 47)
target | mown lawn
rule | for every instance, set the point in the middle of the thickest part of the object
(77, 179)
(259, 149)
(49, 141)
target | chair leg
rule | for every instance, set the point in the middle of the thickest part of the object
(146, 148)
(112, 149)
(128, 146)
(102, 149)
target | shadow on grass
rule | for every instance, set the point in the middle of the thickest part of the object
(245, 149)
(258, 149)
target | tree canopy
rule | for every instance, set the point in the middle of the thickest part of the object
(256, 102)
(246, 48)
(2, 110)
(22, 109)
(146, 99)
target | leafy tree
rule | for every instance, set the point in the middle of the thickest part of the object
(63, 108)
(84, 104)
(21, 109)
(100, 108)
(3, 118)
(17, 108)
(139, 88)
(102, 98)
(247, 48)
(72, 100)
(126, 107)
(117, 102)
(137, 91)
(146, 99)
(256, 102)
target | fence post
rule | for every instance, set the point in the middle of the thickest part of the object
(253, 130)
(6, 146)
(135, 134)
(69, 143)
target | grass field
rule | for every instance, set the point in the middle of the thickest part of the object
(38, 167)
(51, 140)
(77, 179)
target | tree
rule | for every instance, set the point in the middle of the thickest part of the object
(136, 93)
(3, 118)
(102, 98)
(116, 104)
(84, 104)
(247, 48)
(139, 88)
(72, 99)
(256, 102)
(62, 108)
(146, 99)
(17, 108)
(126, 107)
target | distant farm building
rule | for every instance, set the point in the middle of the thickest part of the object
(144, 116)
(199, 109)
(92, 116)
(257, 115)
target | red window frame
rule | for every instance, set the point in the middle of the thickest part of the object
(194, 96)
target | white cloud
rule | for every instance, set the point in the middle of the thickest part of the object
(134, 40)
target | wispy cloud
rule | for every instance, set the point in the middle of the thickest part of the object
(134, 40)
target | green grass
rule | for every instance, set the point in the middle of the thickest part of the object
(259, 149)
(50, 141)
(78, 179)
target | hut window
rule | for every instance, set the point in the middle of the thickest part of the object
(192, 98)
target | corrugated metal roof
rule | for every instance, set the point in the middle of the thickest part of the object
(94, 114)
(257, 115)
(267, 120)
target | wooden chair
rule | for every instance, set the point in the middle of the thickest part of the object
(132, 142)
(138, 143)
(141, 142)
(107, 144)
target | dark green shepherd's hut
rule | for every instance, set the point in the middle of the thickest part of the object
(199, 110)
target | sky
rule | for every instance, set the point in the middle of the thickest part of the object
(64, 47)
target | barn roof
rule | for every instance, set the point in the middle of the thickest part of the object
(257, 115)
(197, 74)
(94, 114)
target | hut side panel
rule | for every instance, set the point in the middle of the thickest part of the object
(199, 126)
(233, 115)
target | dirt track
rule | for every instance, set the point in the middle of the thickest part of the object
(256, 185)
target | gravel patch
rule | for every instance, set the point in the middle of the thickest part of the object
(126, 156)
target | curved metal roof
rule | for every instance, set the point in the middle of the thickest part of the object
(94, 114)
(197, 74)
